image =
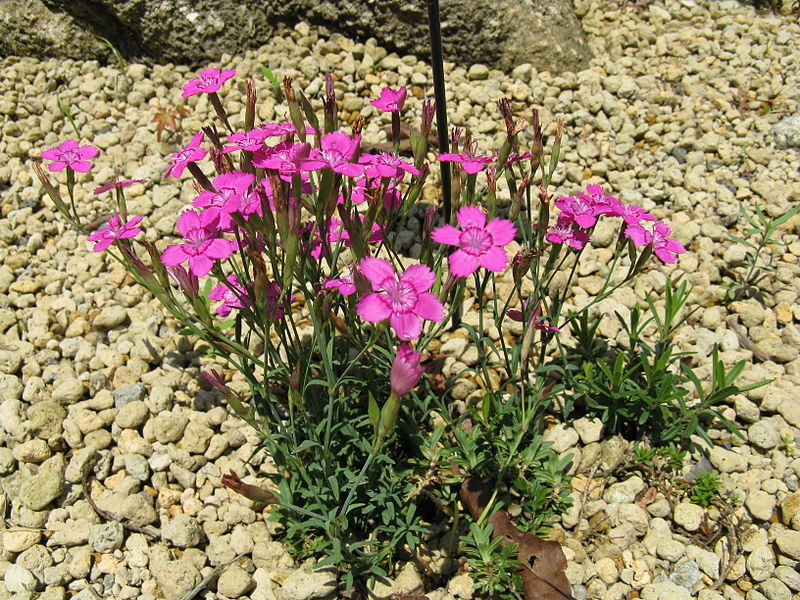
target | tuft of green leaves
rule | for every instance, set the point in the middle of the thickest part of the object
(114, 51)
(494, 565)
(706, 488)
(646, 390)
(747, 280)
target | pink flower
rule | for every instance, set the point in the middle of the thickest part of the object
(664, 247)
(563, 232)
(344, 284)
(404, 301)
(386, 165)
(337, 232)
(202, 246)
(480, 244)
(632, 215)
(581, 211)
(406, 370)
(250, 141)
(191, 153)
(274, 308)
(337, 149)
(209, 81)
(470, 164)
(231, 191)
(286, 158)
(233, 295)
(114, 230)
(69, 155)
(283, 128)
(389, 100)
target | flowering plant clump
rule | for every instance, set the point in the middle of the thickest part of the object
(291, 230)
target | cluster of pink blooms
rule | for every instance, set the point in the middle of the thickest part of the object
(403, 299)
(580, 214)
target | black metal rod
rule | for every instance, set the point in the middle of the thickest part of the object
(437, 64)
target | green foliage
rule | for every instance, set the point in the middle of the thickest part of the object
(67, 112)
(644, 455)
(115, 51)
(494, 565)
(644, 390)
(705, 489)
(746, 281)
(277, 90)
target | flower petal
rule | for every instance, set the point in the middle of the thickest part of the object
(446, 234)
(462, 264)
(373, 307)
(471, 215)
(420, 276)
(407, 326)
(494, 259)
(376, 270)
(502, 230)
(173, 255)
(429, 307)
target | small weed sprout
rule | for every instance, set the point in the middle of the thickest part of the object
(706, 488)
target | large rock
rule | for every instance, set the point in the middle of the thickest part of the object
(500, 33)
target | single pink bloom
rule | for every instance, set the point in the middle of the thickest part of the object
(391, 200)
(70, 155)
(581, 211)
(191, 153)
(406, 370)
(233, 295)
(250, 141)
(638, 235)
(344, 284)
(114, 230)
(404, 301)
(479, 244)
(632, 215)
(564, 232)
(386, 165)
(202, 246)
(208, 81)
(338, 233)
(470, 164)
(389, 100)
(275, 309)
(232, 189)
(597, 197)
(286, 158)
(283, 128)
(665, 247)
(336, 151)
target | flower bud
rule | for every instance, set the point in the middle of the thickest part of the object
(250, 103)
(406, 370)
(521, 263)
(251, 492)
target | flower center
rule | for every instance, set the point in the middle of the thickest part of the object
(475, 241)
(207, 81)
(70, 156)
(403, 296)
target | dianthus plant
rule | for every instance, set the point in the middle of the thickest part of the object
(337, 334)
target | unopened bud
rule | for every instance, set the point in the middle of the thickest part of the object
(520, 264)
(508, 118)
(250, 112)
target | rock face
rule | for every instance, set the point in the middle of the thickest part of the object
(500, 33)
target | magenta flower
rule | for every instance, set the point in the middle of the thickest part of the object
(581, 211)
(286, 158)
(114, 230)
(406, 370)
(209, 81)
(386, 165)
(470, 164)
(479, 243)
(337, 232)
(564, 232)
(202, 247)
(632, 215)
(404, 301)
(232, 189)
(344, 284)
(233, 295)
(191, 153)
(664, 247)
(389, 100)
(597, 197)
(250, 141)
(275, 309)
(69, 155)
(283, 128)
(337, 149)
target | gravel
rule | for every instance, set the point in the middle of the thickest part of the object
(689, 108)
